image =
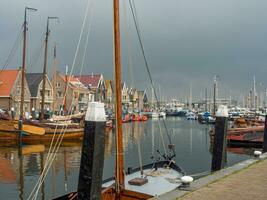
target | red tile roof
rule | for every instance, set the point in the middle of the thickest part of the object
(90, 80)
(7, 79)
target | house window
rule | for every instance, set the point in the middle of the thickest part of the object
(59, 94)
(57, 85)
(18, 89)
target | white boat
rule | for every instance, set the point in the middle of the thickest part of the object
(154, 114)
(191, 116)
(162, 114)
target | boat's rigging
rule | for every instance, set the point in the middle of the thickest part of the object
(128, 45)
(136, 24)
(37, 53)
(89, 29)
(45, 66)
(80, 38)
(53, 152)
(13, 49)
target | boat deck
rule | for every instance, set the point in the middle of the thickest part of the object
(160, 181)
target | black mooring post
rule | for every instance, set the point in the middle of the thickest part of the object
(92, 159)
(220, 143)
(265, 136)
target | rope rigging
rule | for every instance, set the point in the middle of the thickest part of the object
(52, 153)
(13, 49)
(136, 24)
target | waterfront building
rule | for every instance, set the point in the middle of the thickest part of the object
(133, 96)
(142, 101)
(10, 91)
(109, 93)
(35, 83)
(96, 84)
(77, 94)
(125, 95)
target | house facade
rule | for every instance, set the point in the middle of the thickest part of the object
(10, 91)
(35, 83)
(125, 95)
(96, 84)
(76, 98)
(142, 100)
(109, 93)
(133, 96)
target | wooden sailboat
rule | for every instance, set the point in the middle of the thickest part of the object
(142, 182)
(42, 129)
(65, 128)
(9, 127)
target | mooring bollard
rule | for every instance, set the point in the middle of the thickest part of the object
(220, 143)
(92, 160)
(186, 181)
(257, 154)
(264, 148)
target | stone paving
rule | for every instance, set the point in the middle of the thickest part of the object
(248, 184)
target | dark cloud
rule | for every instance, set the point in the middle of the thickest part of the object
(186, 41)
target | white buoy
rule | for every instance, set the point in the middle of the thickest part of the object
(257, 153)
(186, 180)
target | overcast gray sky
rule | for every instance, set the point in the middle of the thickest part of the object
(186, 41)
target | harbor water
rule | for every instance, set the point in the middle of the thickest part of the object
(143, 141)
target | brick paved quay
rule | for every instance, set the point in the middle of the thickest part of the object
(244, 181)
(247, 184)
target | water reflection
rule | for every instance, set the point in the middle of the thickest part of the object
(18, 175)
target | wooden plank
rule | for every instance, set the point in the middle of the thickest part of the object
(34, 130)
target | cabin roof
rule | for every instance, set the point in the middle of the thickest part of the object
(91, 80)
(34, 80)
(7, 80)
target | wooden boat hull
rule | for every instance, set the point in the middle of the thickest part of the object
(8, 132)
(245, 139)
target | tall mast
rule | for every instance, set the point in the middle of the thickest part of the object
(190, 97)
(206, 100)
(54, 77)
(23, 70)
(119, 173)
(65, 93)
(45, 64)
(214, 95)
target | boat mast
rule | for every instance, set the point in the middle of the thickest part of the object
(214, 95)
(119, 173)
(45, 64)
(23, 70)
(206, 101)
(54, 77)
(65, 92)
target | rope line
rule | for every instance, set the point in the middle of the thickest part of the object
(133, 10)
(87, 36)
(50, 158)
(13, 49)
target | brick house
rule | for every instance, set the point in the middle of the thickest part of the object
(10, 91)
(77, 95)
(35, 82)
(109, 93)
(96, 84)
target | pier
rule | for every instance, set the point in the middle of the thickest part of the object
(245, 180)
